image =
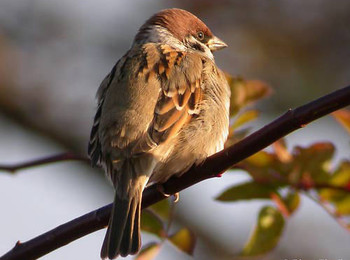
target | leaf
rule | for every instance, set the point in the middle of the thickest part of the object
(162, 208)
(261, 159)
(246, 191)
(236, 135)
(343, 206)
(312, 164)
(149, 252)
(265, 167)
(184, 240)
(339, 198)
(281, 151)
(266, 234)
(343, 117)
(244, 92)
(152, 223)
(341, 177)
(292, 201)
(245, 117)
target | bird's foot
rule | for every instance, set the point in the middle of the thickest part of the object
(176, 196)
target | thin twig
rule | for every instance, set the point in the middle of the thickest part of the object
(68, 156)
(214, 166)
(329, 211)
(279, 182)
(302, 186)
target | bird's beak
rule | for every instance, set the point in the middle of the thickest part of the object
(215, 44)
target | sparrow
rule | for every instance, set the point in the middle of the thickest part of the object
(163, 108)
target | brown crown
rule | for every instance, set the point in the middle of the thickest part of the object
(179, 22)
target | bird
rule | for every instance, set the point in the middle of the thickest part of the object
(163, 108)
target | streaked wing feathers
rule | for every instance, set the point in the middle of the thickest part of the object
(180, 76)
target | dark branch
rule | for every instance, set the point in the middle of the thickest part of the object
(214, 166)
(51, 159)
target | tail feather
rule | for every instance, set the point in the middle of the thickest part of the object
(117, 225)
(123, 233)
(125, 246)
(136, 236)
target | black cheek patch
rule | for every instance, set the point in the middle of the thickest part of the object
(197, 46)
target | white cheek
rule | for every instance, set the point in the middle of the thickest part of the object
(208, 53)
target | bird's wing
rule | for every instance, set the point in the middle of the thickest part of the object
(94, 146)
(179, 75)
(150, 95)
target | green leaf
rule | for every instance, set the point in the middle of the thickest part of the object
(292, 201)
(149, 252)
(162, 208)
(246, 191)
(152, 223)
(343, 117)
(267, 232)
(184, 240)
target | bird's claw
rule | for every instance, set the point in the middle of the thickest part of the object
(160, 188)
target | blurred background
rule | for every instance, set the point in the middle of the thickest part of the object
(53, 56)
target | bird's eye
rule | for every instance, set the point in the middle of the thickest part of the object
(200, 35)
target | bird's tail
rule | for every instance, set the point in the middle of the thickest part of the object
(123, 233)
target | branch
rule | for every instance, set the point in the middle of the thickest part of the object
(302, 185)
(51, 159)
(214, 166)
(330, 212)
(317, 186)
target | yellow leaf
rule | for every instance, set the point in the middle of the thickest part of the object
(340, 178)
(261, 159)
(162, 208)
(245, 117)
(244, 92)
(343, 117)
(185, 240)
(343, 206)
(152, 223)
(281, 151)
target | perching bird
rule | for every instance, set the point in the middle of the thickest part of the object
(162, 108)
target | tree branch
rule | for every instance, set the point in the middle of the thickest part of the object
(317, 186)
(68, 156)
(330, 211)
(214, 166)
